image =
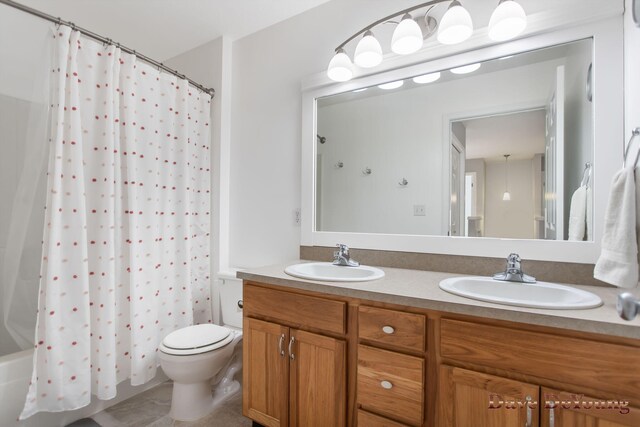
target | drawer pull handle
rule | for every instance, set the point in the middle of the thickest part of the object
(281, 345)
(529, 414)
(388, 329)
(291, 355)
(386, 385)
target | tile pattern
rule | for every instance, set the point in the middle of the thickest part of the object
(151, 409)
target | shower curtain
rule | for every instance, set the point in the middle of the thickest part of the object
(126, 238)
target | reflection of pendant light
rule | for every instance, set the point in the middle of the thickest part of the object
(506, 196)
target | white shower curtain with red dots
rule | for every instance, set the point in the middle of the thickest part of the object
(126, 233)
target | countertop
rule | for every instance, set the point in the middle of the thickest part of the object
(420, 289)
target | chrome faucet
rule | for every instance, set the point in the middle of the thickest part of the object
(513, 271)
(341, 257)
(628, 306)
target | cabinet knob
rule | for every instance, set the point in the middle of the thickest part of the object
(388, 329)
(386, 385)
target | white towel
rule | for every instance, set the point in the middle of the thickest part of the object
(618, 262)
(578, 214)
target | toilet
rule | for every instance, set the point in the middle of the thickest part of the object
(195, 356)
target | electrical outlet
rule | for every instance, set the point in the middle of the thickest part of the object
(419, 210)
(297, 216)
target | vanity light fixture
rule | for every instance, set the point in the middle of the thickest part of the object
(506, 196)
(507, 21)
(407, 37)
(340, 68)
(456, 25)
(391, 85)
(466, 69)
(427, 78)
(368, 51)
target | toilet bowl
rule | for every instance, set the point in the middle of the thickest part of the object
(193, 356)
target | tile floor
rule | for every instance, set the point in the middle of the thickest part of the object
(151, 409)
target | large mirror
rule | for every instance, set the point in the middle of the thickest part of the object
(502, 148)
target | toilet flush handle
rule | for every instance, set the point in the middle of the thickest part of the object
(240, 304)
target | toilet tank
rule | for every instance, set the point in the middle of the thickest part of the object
(230, 295)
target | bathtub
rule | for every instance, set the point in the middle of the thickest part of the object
(15, 373)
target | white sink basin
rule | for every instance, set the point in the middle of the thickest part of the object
(325, 271)
(534, 295)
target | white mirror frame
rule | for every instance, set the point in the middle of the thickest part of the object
(608, 134)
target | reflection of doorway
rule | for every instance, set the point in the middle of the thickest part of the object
(470, 203)
(456, 222)
(484, 212)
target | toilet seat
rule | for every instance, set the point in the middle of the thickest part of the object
(196, 339)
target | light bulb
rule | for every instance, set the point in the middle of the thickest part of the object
(456, 25)
(427, 78)
(466, 69)
(407, 37)
(340, 67)
(506, 196)
(391, 85)
(507, 21)
(368, 51)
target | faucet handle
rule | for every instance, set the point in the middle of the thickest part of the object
(514, 257)
(342, 248)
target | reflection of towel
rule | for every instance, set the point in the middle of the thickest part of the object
(618, 262)
(578, 214)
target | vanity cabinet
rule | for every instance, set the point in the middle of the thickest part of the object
(564, 409)
(588, 366)
(391, 365)
(293, 377)
(314, 359)
(468, 398)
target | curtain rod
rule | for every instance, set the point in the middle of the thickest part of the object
(102, 39)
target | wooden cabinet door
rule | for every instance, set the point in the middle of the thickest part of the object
(317, 380)
(563, 409)
(468, 398)
(265, 372)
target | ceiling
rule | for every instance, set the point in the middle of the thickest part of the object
(163, 29)
(519, 134)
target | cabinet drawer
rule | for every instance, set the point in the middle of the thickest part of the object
(391, 384)
(396, 328)
(367, 419)
(301, 311)
(611, 368)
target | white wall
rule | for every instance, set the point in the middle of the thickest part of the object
(578, 125)
(514, 218)
(632, 71)
(391, 134)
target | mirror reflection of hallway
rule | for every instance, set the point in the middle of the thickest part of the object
(488, 175)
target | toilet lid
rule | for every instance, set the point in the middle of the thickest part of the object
(196, 336)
